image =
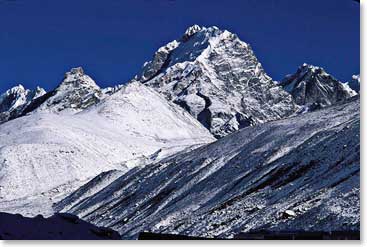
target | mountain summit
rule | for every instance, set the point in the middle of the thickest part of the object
(311, 86)
(217, 78)
(76, 92)
(16, 99)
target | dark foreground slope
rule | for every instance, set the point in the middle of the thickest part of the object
(57, 227)
(299, 174)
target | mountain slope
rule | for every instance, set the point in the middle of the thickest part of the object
(15, 100)
(46, 153)
(312, 87)
(276, 176)
(217, 78)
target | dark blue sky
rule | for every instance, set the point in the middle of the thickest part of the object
(40, 39)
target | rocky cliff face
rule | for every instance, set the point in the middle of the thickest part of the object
(217, 78)
(312, 87)
(76, 92)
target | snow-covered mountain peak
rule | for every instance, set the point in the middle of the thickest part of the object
(308, 68)
(196, 43)
(311, 86)
(77, 78)
(17, 95)
(16, 89)
(15, 100)
(191, 31)
(76, 92)
(38, 92)
(76, 71)
(217, 78)
(356, 77)
(209, 31)
(20, 92)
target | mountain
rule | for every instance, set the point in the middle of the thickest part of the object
(278, 176)
(76, 92)
(50, 152)
(15, 100)
(57, 227)
(217, 78)
(312, 87)
(201, 143)
(355, 83)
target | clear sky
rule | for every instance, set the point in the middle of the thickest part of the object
(111, 39)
